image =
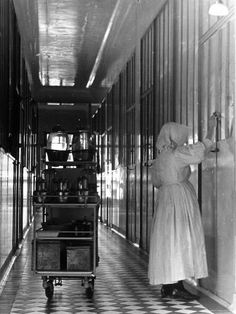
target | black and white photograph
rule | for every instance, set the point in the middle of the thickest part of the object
(117, 157)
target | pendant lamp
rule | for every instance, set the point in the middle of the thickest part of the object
(218, 9)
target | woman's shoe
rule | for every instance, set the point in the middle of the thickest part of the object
(165, 293)
(183, 294)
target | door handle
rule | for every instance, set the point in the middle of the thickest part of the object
(218, 120)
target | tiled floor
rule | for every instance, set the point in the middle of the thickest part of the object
(121, 286)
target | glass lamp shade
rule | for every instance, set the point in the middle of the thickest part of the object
(218, 9)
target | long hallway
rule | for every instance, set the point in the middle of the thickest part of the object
(121, 286)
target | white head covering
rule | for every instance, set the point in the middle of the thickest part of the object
(170, 133)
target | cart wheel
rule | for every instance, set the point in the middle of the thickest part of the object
(90, 288)
(49, 289)
(89, 292)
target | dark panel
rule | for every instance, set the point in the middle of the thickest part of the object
(130, 153)
(4, 70)
(147, 130)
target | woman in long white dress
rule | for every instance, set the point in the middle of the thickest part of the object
(177, 246)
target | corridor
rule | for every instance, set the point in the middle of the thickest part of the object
(121, 286)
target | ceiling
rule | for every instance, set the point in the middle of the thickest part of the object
(74, 49)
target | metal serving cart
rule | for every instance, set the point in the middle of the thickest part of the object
(65, 244)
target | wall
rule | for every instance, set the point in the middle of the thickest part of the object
(18, 125)
(183, 70)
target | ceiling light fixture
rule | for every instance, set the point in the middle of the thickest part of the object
(218, 9)
(102, 47)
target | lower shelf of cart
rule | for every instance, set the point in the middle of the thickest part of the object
(65, 238)
(65, 273)
(68, 205)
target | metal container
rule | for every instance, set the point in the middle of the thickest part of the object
(82, 183)
(81, 140)
(58, 139)
(57, 145)
(83, 146)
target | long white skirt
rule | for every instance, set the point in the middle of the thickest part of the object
(177, 246)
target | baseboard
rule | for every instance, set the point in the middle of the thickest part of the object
(213, 296)
(6, 273)
(11, 260)
(232, 307)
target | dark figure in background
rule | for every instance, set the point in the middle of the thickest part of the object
(177, 245)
